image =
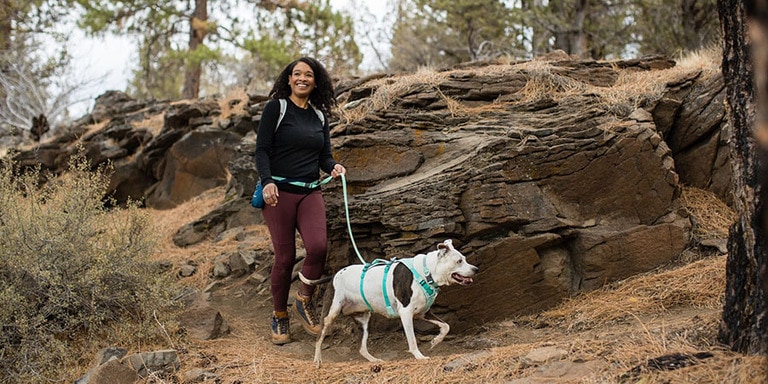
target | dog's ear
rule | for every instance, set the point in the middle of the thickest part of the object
(445, 246)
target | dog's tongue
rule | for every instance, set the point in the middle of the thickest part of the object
(462, 279)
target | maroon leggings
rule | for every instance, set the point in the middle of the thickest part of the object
(305, 213)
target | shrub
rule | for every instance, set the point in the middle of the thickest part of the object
(72, 271)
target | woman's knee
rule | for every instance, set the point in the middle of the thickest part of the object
(316, 250)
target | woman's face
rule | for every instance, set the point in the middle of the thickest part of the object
(302, 80)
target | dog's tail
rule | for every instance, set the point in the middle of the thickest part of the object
(319, 281)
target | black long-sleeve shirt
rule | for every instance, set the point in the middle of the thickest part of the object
(297, 150)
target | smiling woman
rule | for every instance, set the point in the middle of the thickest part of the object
(290, 152)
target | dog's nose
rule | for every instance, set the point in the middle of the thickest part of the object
(475, 269)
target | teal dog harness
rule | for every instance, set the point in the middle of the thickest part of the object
(426, 282)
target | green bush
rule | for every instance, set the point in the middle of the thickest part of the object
(73, 273)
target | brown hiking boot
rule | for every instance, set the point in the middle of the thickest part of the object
(305, 311)
(281, 329)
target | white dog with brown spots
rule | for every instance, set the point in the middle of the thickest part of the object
(411, 286)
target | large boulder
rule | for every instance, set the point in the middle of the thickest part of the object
(193, 164)
(548, 195)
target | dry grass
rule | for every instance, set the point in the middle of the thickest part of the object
(698, 285)
(167, 224)
(712, 216)
(233, 103)
(153, 123)
(707, 60)
(387, 90)
(544, 84)
(632, 89)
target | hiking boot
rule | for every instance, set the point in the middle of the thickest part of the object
(280, 330)
(305, 311)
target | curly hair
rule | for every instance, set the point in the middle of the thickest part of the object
(322, 96)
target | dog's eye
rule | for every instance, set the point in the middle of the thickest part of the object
(458, 261)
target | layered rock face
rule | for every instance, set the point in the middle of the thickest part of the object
(549, 194)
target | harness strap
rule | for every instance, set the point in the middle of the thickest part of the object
(390, 310)
(387, 265)
(362, 291)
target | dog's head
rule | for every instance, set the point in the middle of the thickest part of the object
(452, 266)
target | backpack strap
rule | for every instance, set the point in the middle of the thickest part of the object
(284, 106)
(319, 114)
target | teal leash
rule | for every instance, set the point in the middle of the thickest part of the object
(349, 224)
(366, 265)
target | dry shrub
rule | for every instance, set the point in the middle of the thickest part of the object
(69, 271)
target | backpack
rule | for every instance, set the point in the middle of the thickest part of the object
(284, 106)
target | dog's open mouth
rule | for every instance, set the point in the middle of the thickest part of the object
(463, 280)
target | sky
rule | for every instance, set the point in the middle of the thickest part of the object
(110, 59)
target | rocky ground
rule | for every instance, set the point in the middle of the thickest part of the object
(654, 328)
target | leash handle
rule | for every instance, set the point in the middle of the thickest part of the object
(349, 225)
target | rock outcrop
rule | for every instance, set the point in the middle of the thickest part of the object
(554, 177)
(548, 193)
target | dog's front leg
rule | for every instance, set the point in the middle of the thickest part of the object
(444, 327)
(363, 319)
(406, 317)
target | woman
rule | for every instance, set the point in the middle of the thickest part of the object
(286, 156)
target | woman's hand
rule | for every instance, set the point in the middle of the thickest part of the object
(338, 169)
(270, 194)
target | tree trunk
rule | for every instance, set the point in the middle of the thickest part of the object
(572, 38)
(6, 15)
(744, 325)
(197, 30)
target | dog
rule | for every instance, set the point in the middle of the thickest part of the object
(411, 285)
